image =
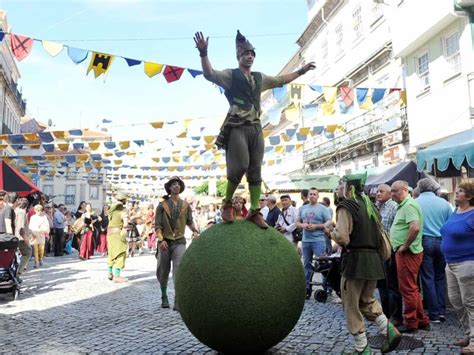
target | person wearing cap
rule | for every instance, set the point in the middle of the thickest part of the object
(241, 133)
(117, 245)
(361, 265)
(171, 218)
(436, 212)
(286, 223)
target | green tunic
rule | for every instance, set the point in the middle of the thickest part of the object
(116, 242)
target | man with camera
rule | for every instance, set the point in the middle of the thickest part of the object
(286, 223)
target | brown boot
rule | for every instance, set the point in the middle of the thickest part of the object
(228, 212)
(256, 217)
(119, 279)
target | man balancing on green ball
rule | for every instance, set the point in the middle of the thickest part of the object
(241, 133)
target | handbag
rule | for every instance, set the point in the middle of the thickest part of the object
(297, 233)
(385, 246)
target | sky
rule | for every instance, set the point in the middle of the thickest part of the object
(57, 89)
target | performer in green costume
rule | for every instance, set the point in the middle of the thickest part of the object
(116, 242)
(241, 134)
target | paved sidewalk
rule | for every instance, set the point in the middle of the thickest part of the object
(69, 306)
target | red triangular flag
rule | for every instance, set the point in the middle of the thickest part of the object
(347, 95)
(21, 46)
(172, 73)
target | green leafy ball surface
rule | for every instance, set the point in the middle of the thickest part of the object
(240, 288)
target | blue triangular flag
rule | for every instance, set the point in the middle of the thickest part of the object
(2, 34)
(194, 72)
(132, 62)
(317, 88)
(377, 95)
(279, 93)
(77, 55)
(361, 94)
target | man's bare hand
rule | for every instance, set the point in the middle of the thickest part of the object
(201, 43)
(309, 66)
(163, 245)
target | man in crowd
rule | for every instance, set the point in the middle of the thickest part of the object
(327, 202)
(58, 225)
(388, 287)
(262, 203)
(311, 220)
(273, 211)
(286, 222)
(436, 212)
(406, 237)
(304, 196)
(361, 265)
(241, 133)
(171, 218)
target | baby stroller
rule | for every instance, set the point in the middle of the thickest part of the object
(9, 265)
(328, 267)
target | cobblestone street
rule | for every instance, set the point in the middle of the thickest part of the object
(69, 306)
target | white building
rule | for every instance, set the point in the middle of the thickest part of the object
(12, 105)
(437, 53)
(350, 42)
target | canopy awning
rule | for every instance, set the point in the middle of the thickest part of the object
(403, 171)
(300, 182)
(12, 180)
(458, 149)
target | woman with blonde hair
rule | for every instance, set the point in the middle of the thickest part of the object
(39, 229)
(238, 202)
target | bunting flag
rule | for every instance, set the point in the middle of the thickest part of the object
(52, 48)
(157, 124)
(347, 95)
(377, 95)
(100, 63)
(172, 73)
(77, 55)
(152, 69)
(21, 46)
(132, 62)
(279, 93)
(2, 35)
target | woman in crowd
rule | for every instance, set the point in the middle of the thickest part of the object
(104, 223)
(68, 234)
(78, 215)
(150, 227)
(39, 228)
(457, 246)
(239, 207)
(87, 244)
(23, 233)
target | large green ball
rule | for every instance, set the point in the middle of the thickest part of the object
(240, 288)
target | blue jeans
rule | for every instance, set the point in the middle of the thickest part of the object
(317, 248)
(433, 277)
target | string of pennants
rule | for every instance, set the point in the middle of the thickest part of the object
(99, 63)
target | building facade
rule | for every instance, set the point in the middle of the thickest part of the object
(12, 104)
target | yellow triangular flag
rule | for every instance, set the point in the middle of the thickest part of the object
(30, 136)
(182, 134)
(266, 133)
(157, 124)
(209, 139)
(280, 149)
(100, 63)
(292, 114)
(328, 108)
(63, 146)
(53, 48)
(304, 131)
(59, 134)
(156, 160)
(94, 145)
(124, 144)
(331, 128)
(367, 104)
(330, 93)
(152, 69)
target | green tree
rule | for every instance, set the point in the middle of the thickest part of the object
(203, 189)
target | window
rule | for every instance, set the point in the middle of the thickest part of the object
(357, 22)
(452, 52)
(423, 70)
(339, 36)
(48, 190)
(94, 192)
(377, 11)
(70, 193)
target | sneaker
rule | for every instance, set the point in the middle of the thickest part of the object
(164, 302)
(367, 351)
(403, 329)
(442, 318)
(308, 293)
(392, 340)
(110, 276)
(435, 320)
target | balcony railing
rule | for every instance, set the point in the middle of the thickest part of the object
(361, 129)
